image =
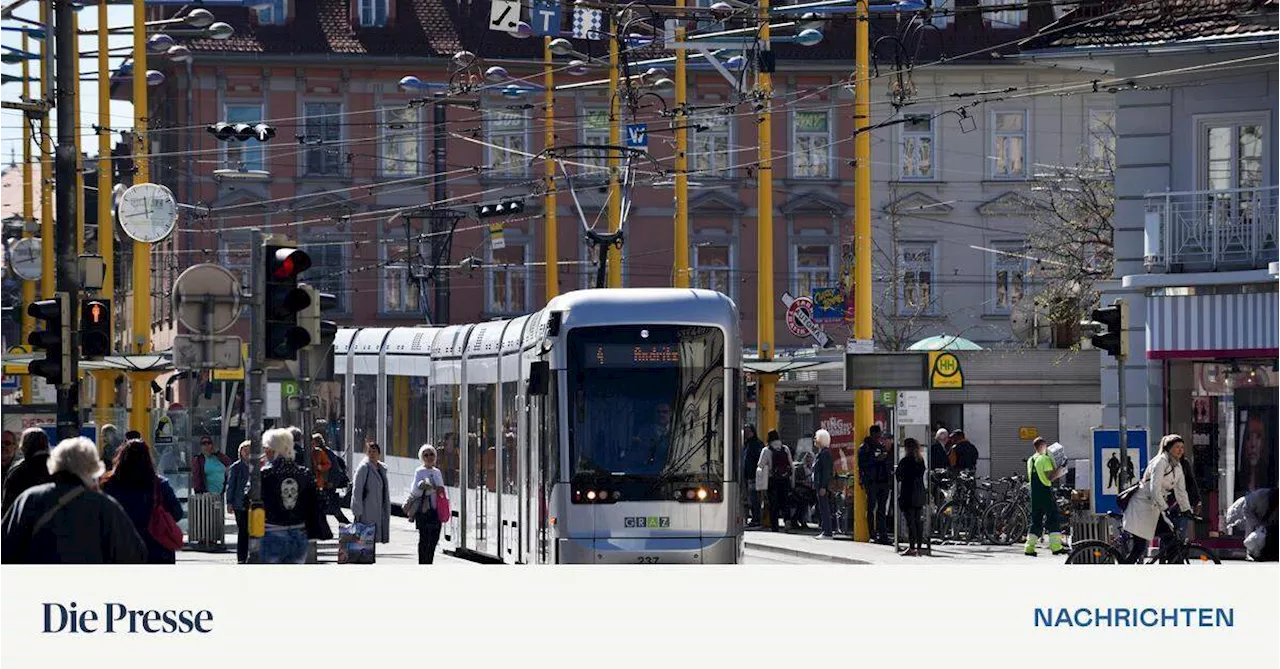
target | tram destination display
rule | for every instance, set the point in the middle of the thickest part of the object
(634, 355)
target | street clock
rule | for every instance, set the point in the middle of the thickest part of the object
(25, 258)
(148, 212)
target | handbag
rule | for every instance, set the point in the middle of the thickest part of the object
(443, 512)
(412, 504)
(161, 526)
(1122, 499)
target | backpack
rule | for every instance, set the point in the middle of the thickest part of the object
(779, 463)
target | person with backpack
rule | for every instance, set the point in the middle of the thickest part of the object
(877, 481)
(331, 474)
(963, 455)
(134, 483)
(371, 494)
(776, 460)
(288, 501)
(67, 520)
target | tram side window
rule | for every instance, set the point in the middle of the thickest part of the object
(480, 436)
(365, 419)
(416, 416)
(406, 421)
(445, 416)
(551, 438)
(510, 447)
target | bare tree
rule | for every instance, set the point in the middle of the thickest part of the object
(899, 311)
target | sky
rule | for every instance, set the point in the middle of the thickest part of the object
(121, 112)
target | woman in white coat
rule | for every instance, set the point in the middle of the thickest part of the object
(1163, 477)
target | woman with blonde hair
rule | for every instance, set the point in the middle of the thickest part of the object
(427, 482)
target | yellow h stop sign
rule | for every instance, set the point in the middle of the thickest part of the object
(944, 371)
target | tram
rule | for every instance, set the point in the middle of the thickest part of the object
(604, 428)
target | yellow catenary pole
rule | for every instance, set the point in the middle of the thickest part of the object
(615, 191)
(862, 402)
(105, 390)
(764, 237)
(28, 210)
(47, 278)
(140, 387)
(680, 277)
(551, 255)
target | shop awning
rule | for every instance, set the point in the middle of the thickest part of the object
(1214, 325)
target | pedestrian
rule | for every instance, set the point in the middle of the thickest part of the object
(823, 473)
(1255, 515)
(371, 494)
(10, 451)
(134, 483)
(802, 495)
(109, 441)
(1144, 515)
(751, 447)
(238, 498)
(875, 476)
(1041, 473)
(67, 520)
(209, 469)
(776, 460)
(427, 483)
(963, 455)
(911, 494)
(31, 471)
(130, 435)
(938, 449)
(288, 500)
(334, 476)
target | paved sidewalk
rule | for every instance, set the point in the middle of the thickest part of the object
(802, 543)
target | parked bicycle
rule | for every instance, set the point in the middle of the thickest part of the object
(1174, 548)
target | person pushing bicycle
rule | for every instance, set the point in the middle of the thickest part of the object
(1041, 473)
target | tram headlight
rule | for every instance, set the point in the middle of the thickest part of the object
(702, 494)
(591, 495)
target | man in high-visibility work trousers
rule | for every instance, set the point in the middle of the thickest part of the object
(1044, 510)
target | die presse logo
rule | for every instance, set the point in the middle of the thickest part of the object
(116, 618)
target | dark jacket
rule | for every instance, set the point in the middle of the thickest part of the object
(937, 455)
(90, 529)
(750, 457)
(31, 472)
(289, 495)
(824, 469)
(237, 482)
(137, 503)
(910, 474)
(964, 455)
(197, 471)
(873, 462)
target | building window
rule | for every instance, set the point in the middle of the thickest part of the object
(373, 13)
(814, 267)
(1008, 276)
(1003, 17)
(272, 12)
(917, 147)
(1234, 154)
(323, 127)
(595, 131)
(400, 142)
(507, 133)
(811, 145)
(242, 155)
(711, 267)
(916, 262)
(507, 278)
(1102, 137)
(400, 291)
(709, 152)
(1009, 144)
(328, 273)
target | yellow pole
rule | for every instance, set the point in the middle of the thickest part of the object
(764, 239)
(47, 278)
(140, 387)
(28, 211)
(862, 402)
(615, 192)
(680, 277)
(105, 390)
(551, 255)
(75, 110)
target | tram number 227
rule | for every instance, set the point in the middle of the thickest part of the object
(648, 559)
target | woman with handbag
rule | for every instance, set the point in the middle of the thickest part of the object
(428, 493)
(1144, 512)
(911, 494)
(371, 496)
(148, 499)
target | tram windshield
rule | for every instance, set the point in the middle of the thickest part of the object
(646, 406)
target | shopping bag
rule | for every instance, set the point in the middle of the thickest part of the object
(357, 543)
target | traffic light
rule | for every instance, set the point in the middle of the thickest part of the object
(1106, 329)
(54, 340)
(283, 301)
(225, 132)
(503, 208)
(95, 328)
(309, 318)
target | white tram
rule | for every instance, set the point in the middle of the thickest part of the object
(604, 428)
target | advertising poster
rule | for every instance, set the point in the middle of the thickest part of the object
(1255, 443)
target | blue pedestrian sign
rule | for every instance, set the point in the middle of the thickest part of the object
(638, 135)
(546, 17)
(1110, 475)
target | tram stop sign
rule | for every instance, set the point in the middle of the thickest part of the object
(800, 319)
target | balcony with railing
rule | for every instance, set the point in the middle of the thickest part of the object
(1211, 230)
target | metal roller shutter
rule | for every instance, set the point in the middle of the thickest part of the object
(1009, 452)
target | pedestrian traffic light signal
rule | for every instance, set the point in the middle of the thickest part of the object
(95, 328)
(284, 301)
(54, 340)
(503, 208)
(309, 318)
(1106, 329)
(243, 132)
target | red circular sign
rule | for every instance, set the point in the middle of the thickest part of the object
(795, 323)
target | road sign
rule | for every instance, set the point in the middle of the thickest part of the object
(207, 287)
(638, 135)
(913, 407)
(235, 373)
(1028, 433)
(504, 15)
(888, 397)
(828, 305)
(189, 352)
(587, 23)
(860, 346)
(546, 17)
(944, 371)
(1109, 475)
(800, 319)
(288, 389)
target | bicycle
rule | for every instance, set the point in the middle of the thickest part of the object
(1005, 521)
(1174, 548)
(841, 519)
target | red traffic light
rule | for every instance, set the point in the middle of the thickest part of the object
(287, 263)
